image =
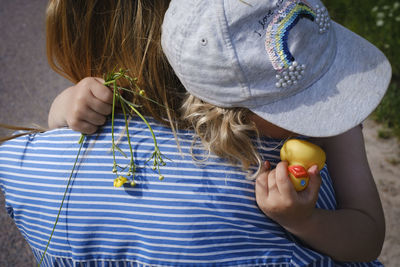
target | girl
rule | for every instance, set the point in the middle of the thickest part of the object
(204, 212)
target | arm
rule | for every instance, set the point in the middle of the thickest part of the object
(82, 107)
(357, 228)
(353, 232)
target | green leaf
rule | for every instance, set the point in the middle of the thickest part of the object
(120, 151)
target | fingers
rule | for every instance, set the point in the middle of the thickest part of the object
(278, 199)
(272, 181)
(95, 118)
(100, 98)
(276, 179)
(81, 115)
(314, 182)
(91, 92)
(100, 91)
(262, 184)
(83, 127)
(283, 183)
(262, 178)
(266, 166)
(91, 105)
(99, 106)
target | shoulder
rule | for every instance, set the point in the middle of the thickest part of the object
(18, 153)
(63, 136)
(351, 139)
(47, 138)
(348, 165)
(345, 155)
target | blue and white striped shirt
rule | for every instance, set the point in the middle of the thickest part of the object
(201, 214)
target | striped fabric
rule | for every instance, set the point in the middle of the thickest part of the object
(202, 213)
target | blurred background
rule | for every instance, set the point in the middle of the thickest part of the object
(28, 86)
(379, 22)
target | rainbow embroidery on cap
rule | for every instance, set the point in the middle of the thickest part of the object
(276, 44)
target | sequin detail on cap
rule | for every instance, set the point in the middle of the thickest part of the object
(289, 72)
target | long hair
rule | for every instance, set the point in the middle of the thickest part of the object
(90, 38)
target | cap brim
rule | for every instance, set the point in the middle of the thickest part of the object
(342, 98)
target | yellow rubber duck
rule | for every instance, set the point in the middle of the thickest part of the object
(301, 155)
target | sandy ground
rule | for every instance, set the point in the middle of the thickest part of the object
(27, 87)
(384, 160)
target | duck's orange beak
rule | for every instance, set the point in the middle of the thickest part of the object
(298, 171)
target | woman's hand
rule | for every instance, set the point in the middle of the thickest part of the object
(82, 107)
(278, 199)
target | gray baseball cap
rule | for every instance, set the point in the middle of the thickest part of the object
(285, 60)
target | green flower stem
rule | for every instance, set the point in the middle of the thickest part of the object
(81, 139)
(138, 93)
(156, 154)
(62, 202)
(111, 79)
(148, 125)
(112, 122)
(106, 83)
(132, 165)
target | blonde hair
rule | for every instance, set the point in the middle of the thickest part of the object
(226, 132)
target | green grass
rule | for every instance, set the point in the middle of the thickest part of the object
(379, 22)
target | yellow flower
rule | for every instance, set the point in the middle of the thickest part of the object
(161, 177)
(133, 183)
(119, 181)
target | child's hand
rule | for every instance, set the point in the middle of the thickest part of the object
(278, 199)
(82, 107)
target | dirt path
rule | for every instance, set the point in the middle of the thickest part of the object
(384, 159)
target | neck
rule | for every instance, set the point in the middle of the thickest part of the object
(268, 129)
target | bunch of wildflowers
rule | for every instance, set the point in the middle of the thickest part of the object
(111, 80)
(157, 157)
